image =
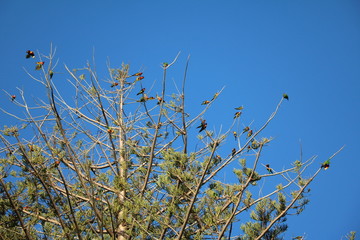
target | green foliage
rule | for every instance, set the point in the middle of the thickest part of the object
(264, 213)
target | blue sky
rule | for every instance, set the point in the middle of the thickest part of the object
(255, 49)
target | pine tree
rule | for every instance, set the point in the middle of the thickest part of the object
(110, 164)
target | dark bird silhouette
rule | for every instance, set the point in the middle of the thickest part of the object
(141, 91)
(233, 152)
(286, 96)
(203, 125)
(268, 168)
(30, 54)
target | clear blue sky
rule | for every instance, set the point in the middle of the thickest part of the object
(256, 49)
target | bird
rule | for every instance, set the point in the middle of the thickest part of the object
(326, 164)
(203, 125)
(250, 133)
(144, 98)
(233, 152)
(13, 97)
(235, 135)
(31, 147)
(30, 54)
(114, 84)
(286, 96)
(160, 100)
(56, 164)
(205, 102)
(39, 65)
(237, 114)
(215, 96)
(141, 91)
(246, 129)
(268, 168)
(239, 108)
(51, 74)
(137, 74)
(139, 78)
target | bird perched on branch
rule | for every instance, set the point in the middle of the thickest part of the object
(215, 96)
(203, 125)
(141, 91)
(114, 84)
(286, 96)
(55, 164)
(160, 100)
(139, 78)
(205, 102)
(144, 98)
(235, 135)
(233, 152)
(246, 129)
(137, 74)
(269, 169)
(237, 114)
(39, 65)
(51, 74)
(326, 164)
(250, 133)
